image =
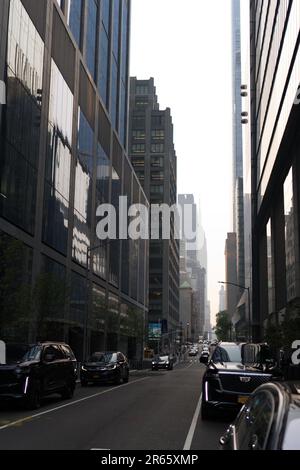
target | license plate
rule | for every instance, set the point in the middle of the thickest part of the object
(242, 400)
(96, 376)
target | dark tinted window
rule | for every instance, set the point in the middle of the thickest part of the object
(15, 352)
(68, 352)
(255, 423)
(227, 353)
(54, 351)
(103, 357)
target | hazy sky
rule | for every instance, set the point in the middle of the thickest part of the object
(186, 46)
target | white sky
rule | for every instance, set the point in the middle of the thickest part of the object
(186, 46)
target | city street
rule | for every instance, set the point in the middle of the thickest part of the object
(154, 411)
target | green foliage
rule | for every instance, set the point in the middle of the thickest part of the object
(223, 326)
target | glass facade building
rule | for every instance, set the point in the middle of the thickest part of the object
(275, 78)
(151, 148)
(62, 154)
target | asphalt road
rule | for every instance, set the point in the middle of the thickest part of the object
(154, 411)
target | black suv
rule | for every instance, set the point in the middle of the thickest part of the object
(233, 372)
(33, 371)
(105, 367)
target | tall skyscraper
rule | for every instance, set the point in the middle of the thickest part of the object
(222, 299)
(195, 251)
(237, 181)
(62, 154)
(275, 113)
(153, 157)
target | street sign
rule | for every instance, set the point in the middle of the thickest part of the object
(2, 352)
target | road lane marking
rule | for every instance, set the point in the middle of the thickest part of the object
(190, 436)
(37, 415)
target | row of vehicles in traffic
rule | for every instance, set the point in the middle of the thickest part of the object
(32, 372)
(245, 379)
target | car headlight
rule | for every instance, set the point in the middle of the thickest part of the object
(22, 370)
(83, 368)
(167, 363)
(111, 366)
(153, 363)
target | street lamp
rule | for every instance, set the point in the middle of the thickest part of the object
(249, 312)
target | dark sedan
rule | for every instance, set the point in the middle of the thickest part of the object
(105, 367)
(163, 362)
(269, 421)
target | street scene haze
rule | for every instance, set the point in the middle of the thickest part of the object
(149, 227)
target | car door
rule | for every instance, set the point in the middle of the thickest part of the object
(54, 363)
(255, 423)
(122, 363)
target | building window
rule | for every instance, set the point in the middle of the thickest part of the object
(157, 176)
(270, 268)
(138, 162)
(157, 148)
(157, 189)
(290, 232)
(140, 174)
(158, 134)
(83, 190)
(138, 122)
(138, 148)
(141, 102)
(139, 134)
(142, 90)
(74, 18)
(157, 162)
(103, 64)
(92, 16)
(157, 121)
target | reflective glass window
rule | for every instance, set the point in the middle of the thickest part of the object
(102, 197)
(74, 18)
(98, 319)
(290, 233)
(103, 64)
(115, 244)
(92, 14)
(58, 163)
(83, 190)
(16, 308)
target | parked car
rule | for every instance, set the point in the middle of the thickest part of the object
(233, 373)
(193, 352)
(204, 357)
(34, 371)
(163, 362)
(270, 420)
(105, 367)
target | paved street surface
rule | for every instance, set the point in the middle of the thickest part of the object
(154, 411)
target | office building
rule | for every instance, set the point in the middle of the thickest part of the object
(62, 154)
(275, 113)
(153, 157)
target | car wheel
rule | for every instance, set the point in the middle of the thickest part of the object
(206, 414)
(126, 379)
(84, 383)
(33, 401)
(117, 380)
(68, 392)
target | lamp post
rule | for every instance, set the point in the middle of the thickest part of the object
(249, 311)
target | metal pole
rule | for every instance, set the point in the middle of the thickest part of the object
(85, 338)
(249, 316)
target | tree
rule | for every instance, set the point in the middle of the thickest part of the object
(223, 326)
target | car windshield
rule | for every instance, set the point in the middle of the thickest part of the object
(161, 358)
(102, 357)
(17, 353)
(228, 353)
